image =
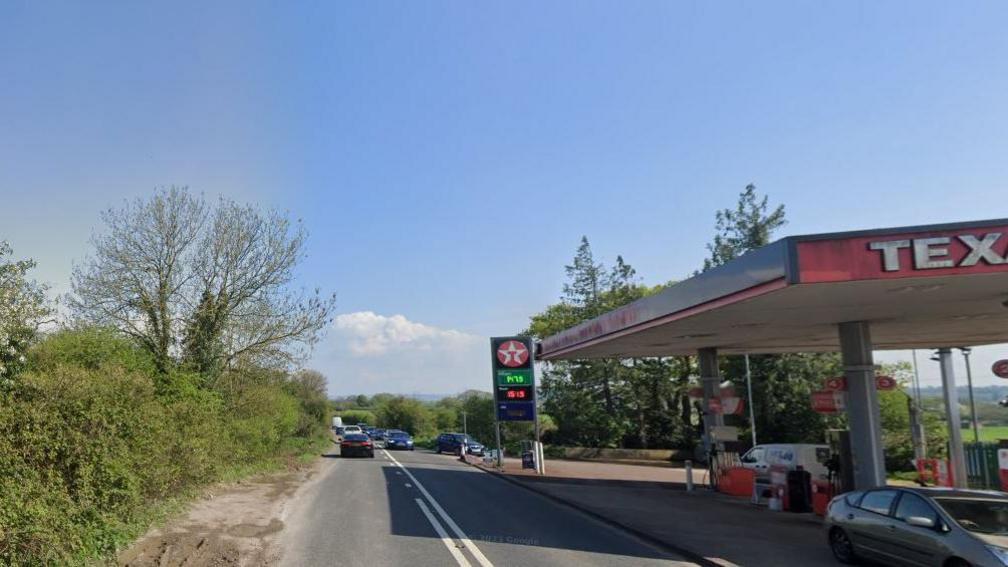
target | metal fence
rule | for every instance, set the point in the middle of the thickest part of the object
(982, 465)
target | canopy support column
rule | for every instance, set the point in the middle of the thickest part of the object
(862, 405)
(957, 459)
(710, 377)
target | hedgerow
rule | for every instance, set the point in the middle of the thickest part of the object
(92, 438)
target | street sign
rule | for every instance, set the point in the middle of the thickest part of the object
(513, 378)
(1000, 368)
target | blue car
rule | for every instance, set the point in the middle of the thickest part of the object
(396, 439)
(452, 443)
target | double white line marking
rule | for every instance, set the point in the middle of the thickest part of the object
(459, 534)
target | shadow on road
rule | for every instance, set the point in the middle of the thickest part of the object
(494, 512)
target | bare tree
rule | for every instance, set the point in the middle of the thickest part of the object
(204, 287)
(135, 280)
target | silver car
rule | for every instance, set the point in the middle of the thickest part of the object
(920, 526)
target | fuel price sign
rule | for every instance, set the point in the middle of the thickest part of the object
(513, 378)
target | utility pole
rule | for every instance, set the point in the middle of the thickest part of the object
(917, 416)
(752, 412)
(465, 429)
(969, 384)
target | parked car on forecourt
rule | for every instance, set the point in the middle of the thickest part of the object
(452, 442)
(938, 527)
(356, 444)
(398, 439)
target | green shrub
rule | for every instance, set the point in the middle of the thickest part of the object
(353, 417)
(76, 444)
(92, 439)
(90, 348)
(262, 417)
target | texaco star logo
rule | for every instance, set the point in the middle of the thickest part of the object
(512, 354)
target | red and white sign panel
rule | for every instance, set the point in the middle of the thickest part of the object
(828, 401)
(837, 383)
(931, 253)
(885, 383)
(1000, 368)
(512, 354)
(714, 405)
(732, 405)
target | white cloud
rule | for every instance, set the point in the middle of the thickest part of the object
(366, 352)
(370, 334)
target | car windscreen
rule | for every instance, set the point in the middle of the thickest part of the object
(398, 434)
(355, 437)
(978, 515)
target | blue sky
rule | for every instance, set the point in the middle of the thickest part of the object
(447, 157)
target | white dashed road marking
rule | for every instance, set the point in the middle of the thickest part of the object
(462, 537)
(456, 553)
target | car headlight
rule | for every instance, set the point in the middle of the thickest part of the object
(1000, 552)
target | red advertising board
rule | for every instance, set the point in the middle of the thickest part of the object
(931, 253)
(827, 401)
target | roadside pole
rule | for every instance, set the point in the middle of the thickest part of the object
(752, 412)
(500, 462)
(969, 385)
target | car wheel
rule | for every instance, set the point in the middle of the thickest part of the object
(411, 448)
(439, 449)
(841, 546)
(956, 562)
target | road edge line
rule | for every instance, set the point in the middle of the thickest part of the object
(461, 535)
(687, 554)
(459, 557)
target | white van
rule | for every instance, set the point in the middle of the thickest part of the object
(791, 455)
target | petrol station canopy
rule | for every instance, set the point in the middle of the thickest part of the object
(919, 287)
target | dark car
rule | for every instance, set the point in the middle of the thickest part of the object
(356, 444)
(452, 443)
(396, 439)
(920, 526)
(378, 434)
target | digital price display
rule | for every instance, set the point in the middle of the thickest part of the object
(514, 377)
(514, 394)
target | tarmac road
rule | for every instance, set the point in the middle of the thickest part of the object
(419, 508)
